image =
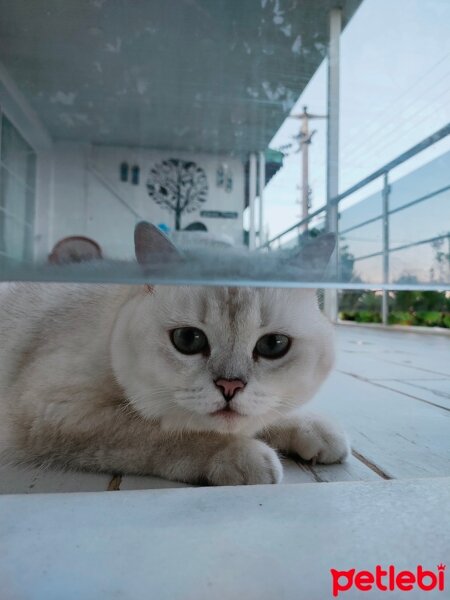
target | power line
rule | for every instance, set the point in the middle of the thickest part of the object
(420, 79)
(392, 123)
(375, 148)
(390, 127)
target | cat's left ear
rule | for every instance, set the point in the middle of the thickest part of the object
(313, 256)
(152, 246)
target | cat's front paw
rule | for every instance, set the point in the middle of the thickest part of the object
(315, 438)
(245, 462)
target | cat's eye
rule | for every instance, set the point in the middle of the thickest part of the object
(189, 340)
(272, 345)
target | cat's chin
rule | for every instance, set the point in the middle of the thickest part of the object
(228, 422)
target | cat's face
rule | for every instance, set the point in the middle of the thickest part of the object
(221, 359)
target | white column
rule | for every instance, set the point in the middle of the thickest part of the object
(262, 183)
(44, 205)
(330, 300)
(252, 198)
(385, 298)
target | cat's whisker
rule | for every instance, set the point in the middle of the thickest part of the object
(264, 425)
(292, 404)
(283, 416)
(189, 422)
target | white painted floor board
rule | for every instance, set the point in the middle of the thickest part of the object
(351, 470)
(427, 354)
(374, 367)
(436, 391)
(293, 473)
(23, 480)
(403, 436)
(252, 542)
(134, 482)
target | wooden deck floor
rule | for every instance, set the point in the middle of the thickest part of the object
(390, 390)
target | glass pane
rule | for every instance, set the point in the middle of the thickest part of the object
(357, 213)
(422, 221)
(422, 183)
(427, 262)
(210, 121)
(365, 240)
(14, 196)
(419, 224)
(16, 214)
(17, 194)
(368, 270)
(16, 155)
(14, 240)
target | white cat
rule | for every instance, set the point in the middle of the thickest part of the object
(197, 384)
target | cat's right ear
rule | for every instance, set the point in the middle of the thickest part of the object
(152, 246)
(314, 255)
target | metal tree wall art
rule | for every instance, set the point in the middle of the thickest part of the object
(177, 185)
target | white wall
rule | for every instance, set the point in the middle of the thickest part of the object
(89, 198)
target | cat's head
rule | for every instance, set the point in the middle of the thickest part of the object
(222, 359)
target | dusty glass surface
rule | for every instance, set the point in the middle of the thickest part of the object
(233, 126)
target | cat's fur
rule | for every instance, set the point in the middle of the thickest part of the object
(89, 379)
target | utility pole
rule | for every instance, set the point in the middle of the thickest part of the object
(305, 138)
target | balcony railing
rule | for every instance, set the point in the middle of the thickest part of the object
(380, 234)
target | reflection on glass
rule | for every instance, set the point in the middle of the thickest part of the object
(210, 120)
(17, 194)
(419, 224)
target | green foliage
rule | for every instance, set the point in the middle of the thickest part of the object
(360, 316)
(401, 317)
(368, 316)
(312, 233)
(347, 262)
(404, 300)
(430, 318)
(421, 301)
(349, 299)
(406, 307)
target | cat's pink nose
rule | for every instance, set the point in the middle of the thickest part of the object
(229, 387)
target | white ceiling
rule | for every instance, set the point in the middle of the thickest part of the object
(209, 75)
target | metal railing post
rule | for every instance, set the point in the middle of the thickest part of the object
(330, 296)
(261, 185)
(252, 198)
(385, 238)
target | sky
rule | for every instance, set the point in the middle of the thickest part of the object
(395, 91)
